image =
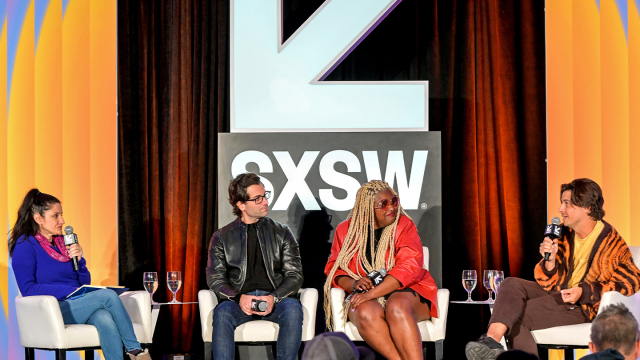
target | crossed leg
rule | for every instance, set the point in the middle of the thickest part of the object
(393, 332)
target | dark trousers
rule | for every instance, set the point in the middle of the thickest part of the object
(523, 306)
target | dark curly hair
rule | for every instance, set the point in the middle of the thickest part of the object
(586, 193)
(238, 190)
(35, 202)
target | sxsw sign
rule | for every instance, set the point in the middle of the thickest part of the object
(408, 185)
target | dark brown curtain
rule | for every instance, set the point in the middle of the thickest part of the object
(173, 93)
(484, 61)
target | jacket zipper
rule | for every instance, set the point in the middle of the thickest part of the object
(244, 263)
(265, 260)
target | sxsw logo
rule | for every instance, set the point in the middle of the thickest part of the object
(409, 185)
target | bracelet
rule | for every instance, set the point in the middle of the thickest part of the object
(353, 286)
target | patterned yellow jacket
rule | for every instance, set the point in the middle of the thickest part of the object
(610, 268)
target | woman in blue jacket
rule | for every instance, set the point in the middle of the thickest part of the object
(42, 266)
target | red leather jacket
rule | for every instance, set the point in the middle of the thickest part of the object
(409, 259)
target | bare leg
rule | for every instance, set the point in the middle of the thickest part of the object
(370, 321)
(403, 312)
(497, 331)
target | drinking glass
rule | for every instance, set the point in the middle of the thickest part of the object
(174, 281)
(486, 280)
(150, 282)
(469, 280)
(497, 281)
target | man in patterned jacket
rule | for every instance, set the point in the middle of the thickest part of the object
(589, 259)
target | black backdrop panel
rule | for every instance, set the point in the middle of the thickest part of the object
(315, 176)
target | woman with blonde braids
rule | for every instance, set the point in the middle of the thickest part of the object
(378, 234)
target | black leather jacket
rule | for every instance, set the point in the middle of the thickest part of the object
(227, 264)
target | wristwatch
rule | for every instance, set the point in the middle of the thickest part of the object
(276, 299)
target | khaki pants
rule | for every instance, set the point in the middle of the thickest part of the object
(523, 305)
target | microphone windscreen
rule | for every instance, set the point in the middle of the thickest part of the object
(555, 221)
(68, 230)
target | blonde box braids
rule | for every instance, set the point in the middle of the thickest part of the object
(362, 224)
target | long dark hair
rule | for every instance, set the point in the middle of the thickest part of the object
(34, 202)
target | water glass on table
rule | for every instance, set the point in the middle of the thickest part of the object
(486, 280)
(469, 279)
(174, 281)
(498, 278)
(150, 282)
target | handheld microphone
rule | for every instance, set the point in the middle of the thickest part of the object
(375, 276)
(552, 231)
(69, 239)
(258, 305)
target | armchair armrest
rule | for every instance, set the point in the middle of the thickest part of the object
(207, 301)
(613, 297)
(138, 306)
(40, 322)
(337, 299)
(443, 310)
(309, 301)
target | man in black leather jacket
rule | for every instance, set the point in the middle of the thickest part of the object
(255, 271)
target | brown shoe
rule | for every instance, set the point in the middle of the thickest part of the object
(144, 355)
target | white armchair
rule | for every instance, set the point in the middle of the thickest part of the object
(578, 336)
(258, 331)
(41, 326)
(432, 330)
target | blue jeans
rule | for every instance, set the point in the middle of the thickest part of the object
(228, 315)
(104, 310)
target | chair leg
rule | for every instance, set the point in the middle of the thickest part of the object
(543, 353)
(61, 354)
(208, 353)
(440, 349)
(568, 354)
(29, 354)
(148, 347)
(88, 355)
(301, 349)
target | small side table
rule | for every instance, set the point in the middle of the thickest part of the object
(155, 311)
(502, 341)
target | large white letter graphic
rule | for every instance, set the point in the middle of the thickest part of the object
(277, 86)
(409, 191)
(295, 180)
(339, 180)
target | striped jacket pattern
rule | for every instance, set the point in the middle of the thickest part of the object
(610, 268)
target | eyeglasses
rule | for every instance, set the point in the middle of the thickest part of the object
(384, 203)
(258, 200)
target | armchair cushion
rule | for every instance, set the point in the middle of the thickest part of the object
(579, 335)
(431, 330)
(41, 326)
(259, 330)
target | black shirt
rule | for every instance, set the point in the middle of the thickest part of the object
(377, 235)
(257, 278)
